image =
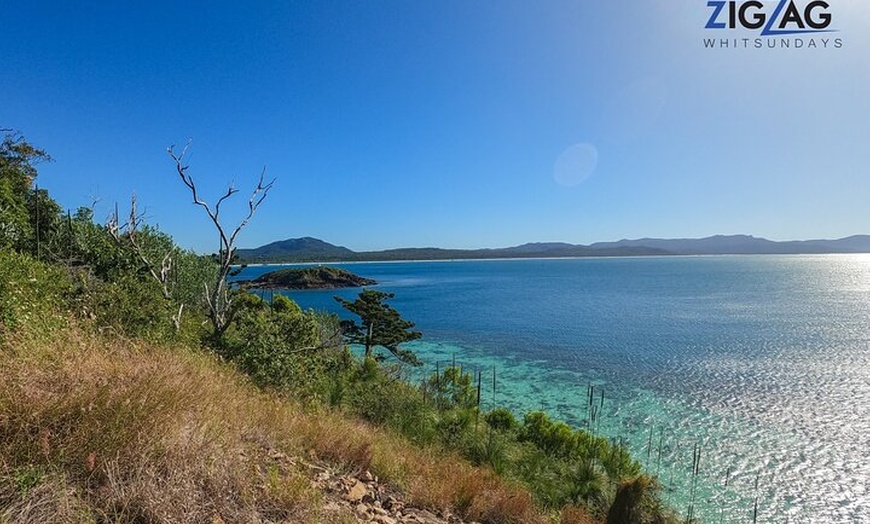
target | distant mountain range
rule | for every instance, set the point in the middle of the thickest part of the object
(309, 249)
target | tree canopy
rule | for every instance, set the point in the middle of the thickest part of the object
(18, 160)
(380, 325)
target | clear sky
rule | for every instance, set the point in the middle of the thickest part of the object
(446, 123)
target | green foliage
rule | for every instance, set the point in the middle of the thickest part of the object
(44, 215)
(492, 450)
(277, 344)
(27, 477)
(451, 388)
(87, 245)
(554, 438)
(455, 427)
(544, 474)
(191, 274)
(33, 295)
(18, 161)
(638, 501)
(617, 461)
(588, 484)
(116, 288)
(571, 466)
(380, 325)
(381, 398)
(116, 279)
(501, 419)
(129, 304)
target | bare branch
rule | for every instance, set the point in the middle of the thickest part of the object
(218, 298)
(176, 319)
(230, 192)
(188, 181)
(257, 196)
(125, 235)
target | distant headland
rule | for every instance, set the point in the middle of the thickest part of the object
(308, 249)
(320, 277)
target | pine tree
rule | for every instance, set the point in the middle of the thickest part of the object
(380, 325)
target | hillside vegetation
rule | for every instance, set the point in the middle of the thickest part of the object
(130, 396)
(98, 429)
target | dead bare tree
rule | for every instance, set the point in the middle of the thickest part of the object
(127, 234)
(218, 296)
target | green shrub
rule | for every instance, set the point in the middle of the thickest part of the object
(638, 502)
(278, 345)
(543, 473)
(33, 295)
(501, 419)
(450, 388)
(588, 484)
(554, 438)
(618, 463)
(130, 304)
(379, 397)
(455, 426)
(490, 450)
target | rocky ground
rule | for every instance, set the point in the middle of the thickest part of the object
(360, 497)
(369, 500)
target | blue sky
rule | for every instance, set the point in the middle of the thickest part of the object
(450, 123)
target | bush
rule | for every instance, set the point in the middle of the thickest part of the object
(450, 388)
(381, 398)
(455, 427)
(554, 438)
(130, 305)
(33, 295)
(501, 419)
(638, 502)
(278, 345)
(490, 450)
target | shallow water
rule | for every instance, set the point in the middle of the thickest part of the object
(762, 360)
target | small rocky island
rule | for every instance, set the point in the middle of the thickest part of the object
(318, 277)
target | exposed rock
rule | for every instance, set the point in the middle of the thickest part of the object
(359, 497)
(391, 504)
(356, 493)
(366, 499)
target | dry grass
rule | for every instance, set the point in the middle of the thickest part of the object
(51, 500)
(140, 434)
(575, 515)
(115, 430)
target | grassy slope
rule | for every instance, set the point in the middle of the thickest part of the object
(96, 429)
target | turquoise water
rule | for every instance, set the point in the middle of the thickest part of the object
(762, 360)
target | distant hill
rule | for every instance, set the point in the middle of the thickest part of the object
(309, 249)
(305, 249)
(746, 245)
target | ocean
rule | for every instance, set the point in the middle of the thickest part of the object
(762, 361)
